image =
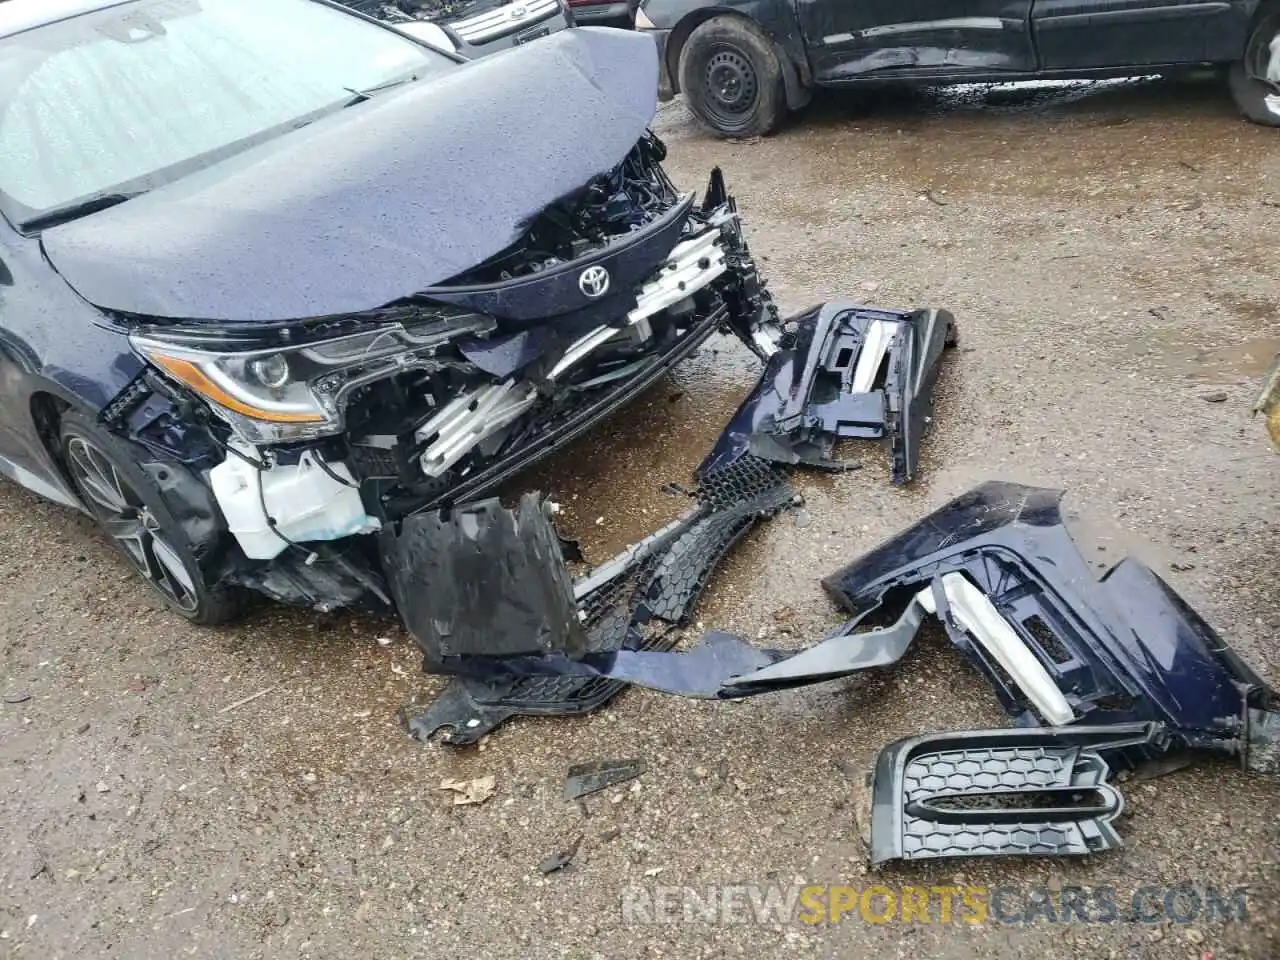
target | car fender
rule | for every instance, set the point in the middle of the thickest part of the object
(56, 352)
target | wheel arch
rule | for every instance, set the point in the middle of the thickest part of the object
(180, 487)
(47, 409)
(796, 77)
(1254, 12)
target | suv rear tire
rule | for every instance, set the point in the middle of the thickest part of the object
(1257, 99)
(126, 503)
(732, 78)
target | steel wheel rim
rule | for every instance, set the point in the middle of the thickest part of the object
(731, 85)
(128, 521)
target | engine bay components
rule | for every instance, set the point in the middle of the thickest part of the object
(268, 507)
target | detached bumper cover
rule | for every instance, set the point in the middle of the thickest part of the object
(998, 568)
(846, 371)
(1122, 649)
(630, 607)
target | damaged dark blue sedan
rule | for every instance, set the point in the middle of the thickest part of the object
(274, 275)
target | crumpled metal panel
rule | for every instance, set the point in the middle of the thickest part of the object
(376, 202)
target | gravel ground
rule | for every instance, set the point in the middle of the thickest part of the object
(1105, 250)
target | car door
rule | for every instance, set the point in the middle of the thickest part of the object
(856, 39)
(1075, 34)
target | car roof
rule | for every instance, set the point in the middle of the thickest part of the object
(19, 15)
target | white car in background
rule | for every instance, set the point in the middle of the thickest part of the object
(470, 28)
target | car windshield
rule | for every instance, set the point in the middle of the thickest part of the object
(105, 105)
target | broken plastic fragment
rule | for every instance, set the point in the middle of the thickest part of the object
(1119, 649)
(585, 779)
(470, 791)
(976, 615)
(483, 581)
(560, 860)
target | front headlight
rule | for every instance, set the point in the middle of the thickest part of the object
(295, 392)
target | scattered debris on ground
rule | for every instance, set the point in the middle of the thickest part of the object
(1106, 672)
(585, 779)
(470, 791)
(558, 861)
(249, 699)
(636, 601)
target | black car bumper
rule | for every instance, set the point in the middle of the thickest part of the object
(618, 14)
(667, 88)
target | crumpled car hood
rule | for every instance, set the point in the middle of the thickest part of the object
(379, 201)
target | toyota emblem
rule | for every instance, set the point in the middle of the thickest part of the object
(517, 13)
(594, 282)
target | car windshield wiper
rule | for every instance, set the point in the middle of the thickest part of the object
(73, 211)
(360, 96)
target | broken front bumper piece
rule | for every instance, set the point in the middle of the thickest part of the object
(631, 604)
(1057, 643)
(483, 579)
(845, 371)
(1061, 647)
(1001, 792)
(999, 570)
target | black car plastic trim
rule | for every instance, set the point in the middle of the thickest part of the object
(1001, 792)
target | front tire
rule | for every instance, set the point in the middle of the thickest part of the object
(1254, 81)
(732, 78)
(129, 508)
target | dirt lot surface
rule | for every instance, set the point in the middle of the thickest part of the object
(1110, 255)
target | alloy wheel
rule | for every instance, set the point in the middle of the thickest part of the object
(128, 521)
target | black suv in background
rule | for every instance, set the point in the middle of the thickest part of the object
(743, 64)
